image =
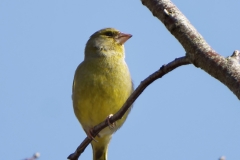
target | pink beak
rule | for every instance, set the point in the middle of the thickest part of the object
(122, 37)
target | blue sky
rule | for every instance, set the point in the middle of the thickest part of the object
(185, 115)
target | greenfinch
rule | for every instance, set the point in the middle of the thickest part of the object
(101, 85)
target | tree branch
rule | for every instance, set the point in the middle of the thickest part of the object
(158, 74)
(197, 49)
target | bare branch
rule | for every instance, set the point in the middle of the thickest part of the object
(197, 49)
(222, 158)
(34, 157)
(158, 74)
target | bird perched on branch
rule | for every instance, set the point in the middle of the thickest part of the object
(101, 85)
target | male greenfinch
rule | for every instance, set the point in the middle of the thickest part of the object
(101, 85)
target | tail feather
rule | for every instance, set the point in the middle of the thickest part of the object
(100, 148)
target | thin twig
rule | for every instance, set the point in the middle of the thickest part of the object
(158, 74)
(34, 157)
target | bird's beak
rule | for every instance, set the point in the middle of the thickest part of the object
(123, 37)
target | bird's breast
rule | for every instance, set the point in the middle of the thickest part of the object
(100, 90)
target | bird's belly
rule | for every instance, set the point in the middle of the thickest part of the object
(95, 102)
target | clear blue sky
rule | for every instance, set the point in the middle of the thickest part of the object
(185, 115)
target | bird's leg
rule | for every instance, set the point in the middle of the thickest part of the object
(111, 125)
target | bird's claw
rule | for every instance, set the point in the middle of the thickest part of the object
(111, 125)
(89, 135)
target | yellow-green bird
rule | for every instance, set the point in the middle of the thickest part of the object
(101, 85)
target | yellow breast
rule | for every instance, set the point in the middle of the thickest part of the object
(100, 88)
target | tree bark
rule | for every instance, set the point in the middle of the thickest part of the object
(226, 70)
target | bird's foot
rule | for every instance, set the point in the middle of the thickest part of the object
(111, 125)
(89, 135)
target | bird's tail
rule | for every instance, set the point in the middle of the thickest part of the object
(100, 148)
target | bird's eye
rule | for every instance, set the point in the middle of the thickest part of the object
(110, 34)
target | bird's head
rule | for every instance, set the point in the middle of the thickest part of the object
(107, 42)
